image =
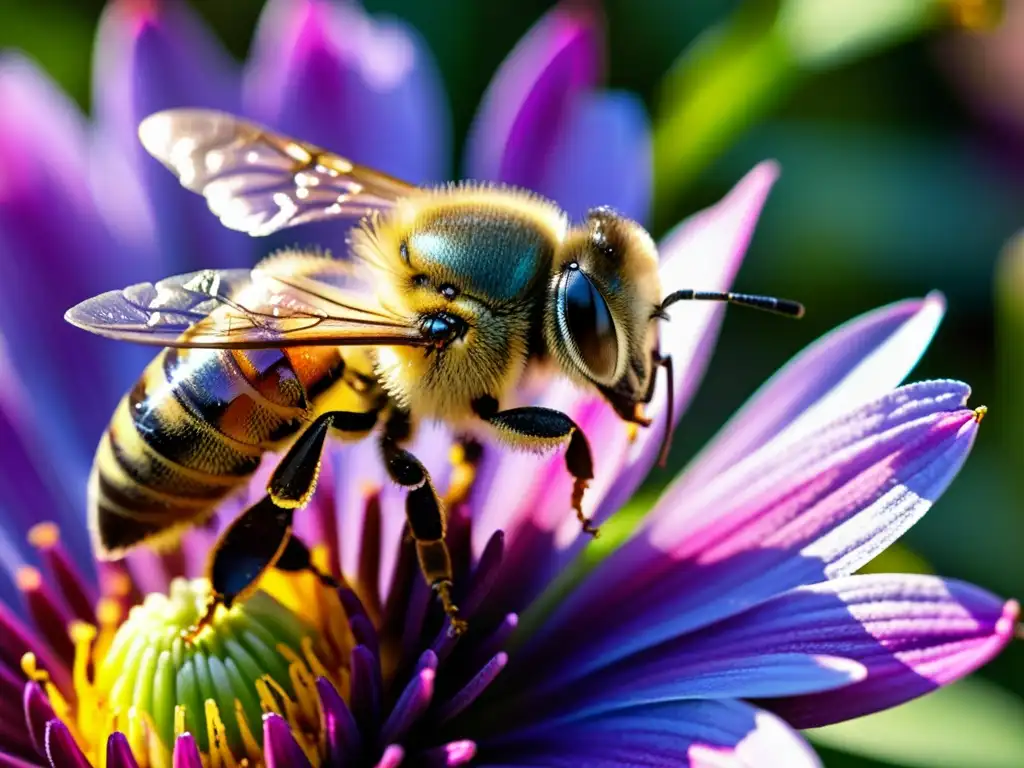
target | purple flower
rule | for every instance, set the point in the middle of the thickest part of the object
(732, 614)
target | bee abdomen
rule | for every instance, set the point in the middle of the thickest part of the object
(191, 431)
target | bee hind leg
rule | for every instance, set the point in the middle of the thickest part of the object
(426, 520)
(541, 428)
(260, 537)
(251, 544)
(294, 479)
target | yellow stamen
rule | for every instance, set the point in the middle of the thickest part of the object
(979, 413)
(252, 746)
(140, 678)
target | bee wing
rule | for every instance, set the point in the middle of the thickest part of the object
(259, 182)
(246, 309)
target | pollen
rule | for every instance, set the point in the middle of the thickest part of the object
(141, 678)
(980, 412)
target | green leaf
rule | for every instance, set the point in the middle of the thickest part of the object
(970, 723)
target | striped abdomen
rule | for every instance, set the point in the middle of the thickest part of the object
(192, 430)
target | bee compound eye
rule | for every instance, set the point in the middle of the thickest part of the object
(587, 322)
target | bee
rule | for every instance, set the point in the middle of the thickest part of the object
(449, 297)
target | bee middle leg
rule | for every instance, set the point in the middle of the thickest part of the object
(537, 427)
(425, 516)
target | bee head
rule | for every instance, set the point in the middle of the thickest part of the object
(601, 299)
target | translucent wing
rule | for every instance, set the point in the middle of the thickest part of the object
(246, 309)
(258, 182)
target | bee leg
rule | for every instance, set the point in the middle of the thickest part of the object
(536, 427)
(296, 557)
(294, 480)
(253, 542)
(426, 524)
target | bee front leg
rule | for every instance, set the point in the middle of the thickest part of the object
(533, 427)
(426, 520)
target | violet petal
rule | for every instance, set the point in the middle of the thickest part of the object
(47, 611)
(61, 749)
(860, 360)
(341, 733)
(37, 713)
(512, 137)
(367, 692)
(474, 688)
(612, 126)
(8, 760)
(44, 151)
(280, 750)
(685, 733)
(811, 512)
(16, 640)
(119, 752)
(156, 56)
(410, 707)
(78, 593)
(661, 675)
(912, 633)
(26, 485)
(369, 89)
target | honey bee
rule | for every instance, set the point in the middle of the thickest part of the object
(449, 298)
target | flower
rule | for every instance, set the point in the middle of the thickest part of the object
(730, 616)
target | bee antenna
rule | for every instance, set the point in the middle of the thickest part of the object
(765, 303)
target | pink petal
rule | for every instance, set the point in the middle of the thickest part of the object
(186, 753)
(522, 112)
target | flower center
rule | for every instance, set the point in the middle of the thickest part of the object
(153, 685)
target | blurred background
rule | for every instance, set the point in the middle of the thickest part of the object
(901, 142)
